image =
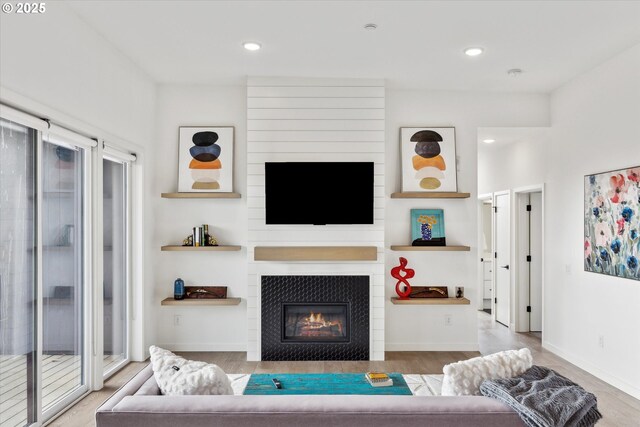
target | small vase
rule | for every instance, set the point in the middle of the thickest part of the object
(178, 289)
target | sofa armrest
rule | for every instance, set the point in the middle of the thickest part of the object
(128, 389)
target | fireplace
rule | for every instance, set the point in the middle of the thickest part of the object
(303, 322)
(315, 317)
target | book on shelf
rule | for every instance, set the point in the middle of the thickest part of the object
(378, 379)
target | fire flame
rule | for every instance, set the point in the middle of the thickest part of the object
(317, 321)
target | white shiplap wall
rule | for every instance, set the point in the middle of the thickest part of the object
(301, 119)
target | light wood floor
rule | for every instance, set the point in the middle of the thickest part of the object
(619, 409)
(61, 375)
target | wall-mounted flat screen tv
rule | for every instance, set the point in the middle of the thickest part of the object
(319, 193)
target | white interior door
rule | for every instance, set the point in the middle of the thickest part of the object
(502, 258)
(535, 249)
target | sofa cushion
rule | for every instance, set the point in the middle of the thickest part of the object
(464, 378)
(176, 375)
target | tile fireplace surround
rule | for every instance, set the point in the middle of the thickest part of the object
(338, 330)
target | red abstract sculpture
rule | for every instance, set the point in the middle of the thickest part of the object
(402, 274)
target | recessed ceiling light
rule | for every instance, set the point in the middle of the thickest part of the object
(370, 27)
(252, 46)
(473, 51)
(488, 141)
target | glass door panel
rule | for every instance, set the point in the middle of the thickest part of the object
(62, 272)
(115, 264)
(17, 275)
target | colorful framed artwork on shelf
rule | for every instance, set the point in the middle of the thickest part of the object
(205, 159)
(427, 227)
(428, 159)
(612, 223)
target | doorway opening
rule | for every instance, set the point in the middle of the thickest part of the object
(485, 285)
(502, 257)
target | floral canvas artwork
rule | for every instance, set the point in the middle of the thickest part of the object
(612, 223)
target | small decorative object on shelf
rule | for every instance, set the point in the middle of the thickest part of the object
(178, 289)
(200, 237)
(459, 292)
(401, 274)
(429, 292)
(205, 292)
(427, 227)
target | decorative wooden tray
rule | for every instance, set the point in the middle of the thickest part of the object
(429, 292)
(205, 292)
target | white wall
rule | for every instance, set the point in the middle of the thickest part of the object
(595, 128)
(221, 328)
(59, 61)
(422, 327)
(504, 166)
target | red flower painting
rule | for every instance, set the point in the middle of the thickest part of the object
(612, 223)
(618, 188)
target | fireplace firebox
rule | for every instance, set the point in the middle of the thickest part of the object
(304, 322)
(314, 317)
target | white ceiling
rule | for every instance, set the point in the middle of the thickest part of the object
(418, 44)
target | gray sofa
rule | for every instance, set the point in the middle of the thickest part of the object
(140, 404)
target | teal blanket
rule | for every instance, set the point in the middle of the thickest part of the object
(262, 384)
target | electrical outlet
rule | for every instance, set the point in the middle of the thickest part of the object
(177, 320)
(601, 341)
(447, 320)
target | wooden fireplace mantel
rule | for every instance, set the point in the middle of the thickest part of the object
(315, 253)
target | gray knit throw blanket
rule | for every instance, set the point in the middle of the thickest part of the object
(544, 398)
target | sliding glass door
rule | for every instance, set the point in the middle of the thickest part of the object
(63, 272)
(115, 267)
(18, 281)
(64, 266)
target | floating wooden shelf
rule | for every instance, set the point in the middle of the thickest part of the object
(185, 195)
(430, 195)
(201, 301)
(201, 248)
(315, 253)
(430, 301)
(430, 248)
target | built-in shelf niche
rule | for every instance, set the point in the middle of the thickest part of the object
(185, 195)
(448, 248)
(430, 301)
(201, 302)
(315, 253)
(177, 248)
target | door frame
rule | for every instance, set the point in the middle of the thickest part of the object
(520, 312)
(495, 267)
(482, 198)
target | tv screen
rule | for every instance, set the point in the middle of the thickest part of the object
(319, 193)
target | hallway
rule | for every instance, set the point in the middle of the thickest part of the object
(618, 408)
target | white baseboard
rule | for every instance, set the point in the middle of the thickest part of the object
(422, 346)
(593, 370)
(205, 346)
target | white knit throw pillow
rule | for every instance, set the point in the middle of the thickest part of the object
(176, 375)
(464, 378)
